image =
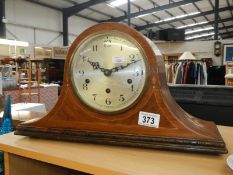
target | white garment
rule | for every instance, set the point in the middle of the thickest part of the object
(176, 75)
(205, 73)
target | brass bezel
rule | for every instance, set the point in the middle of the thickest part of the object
(145, 59)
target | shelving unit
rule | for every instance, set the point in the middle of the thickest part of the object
(52, 61)
(29, 77)
(54, 70)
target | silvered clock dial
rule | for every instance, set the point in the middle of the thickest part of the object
(109, 72)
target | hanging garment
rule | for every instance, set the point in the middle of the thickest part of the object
(186, 72)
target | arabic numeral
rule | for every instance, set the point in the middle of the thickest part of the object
(121, 98)
(144, 119)
(152, 121)
(132, 57)
(132, 88)
(148, 119)
(138, 72)
(81, 72)
(94, 96)
(108, 101)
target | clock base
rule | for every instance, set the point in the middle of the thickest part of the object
(141, 141)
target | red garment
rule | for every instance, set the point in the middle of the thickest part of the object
(185, 73)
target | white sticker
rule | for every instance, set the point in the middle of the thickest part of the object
(118, 59)
(148, 119)
(230, 161)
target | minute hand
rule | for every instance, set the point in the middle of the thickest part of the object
(115, 69)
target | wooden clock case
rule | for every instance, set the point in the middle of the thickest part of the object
(71, 120)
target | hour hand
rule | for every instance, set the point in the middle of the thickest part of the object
(95, 65)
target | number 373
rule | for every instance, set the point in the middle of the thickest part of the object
(148, 120)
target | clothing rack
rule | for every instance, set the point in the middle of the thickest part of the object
(177, 60)
(186, 71)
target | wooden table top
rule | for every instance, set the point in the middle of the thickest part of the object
(102, 159)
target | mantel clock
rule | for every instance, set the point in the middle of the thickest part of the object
(115, 92)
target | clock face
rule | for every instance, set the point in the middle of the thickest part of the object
(109, 72)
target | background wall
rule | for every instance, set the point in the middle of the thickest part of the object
(203, 49)
(39, 25)
(42, 26)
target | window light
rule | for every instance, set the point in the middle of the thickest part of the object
(186, 4)
(117, 3)
(190, 25)
(188, 14)
(14, 42)
(199, 36)
(168, 19)
(140, 16)
(177, 17)
(181, 16)
(199, 30)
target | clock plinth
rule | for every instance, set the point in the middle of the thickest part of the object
(115, 121)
